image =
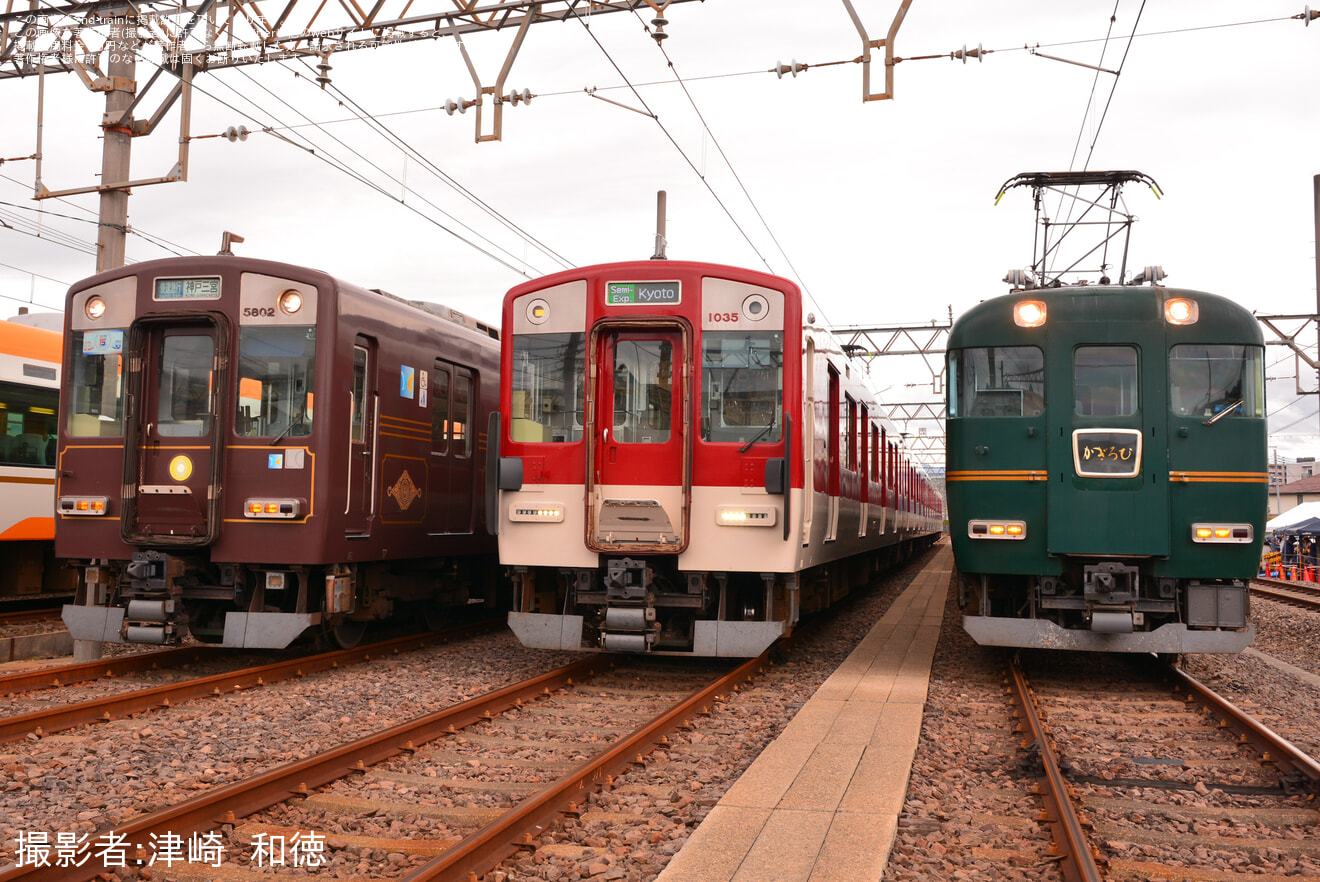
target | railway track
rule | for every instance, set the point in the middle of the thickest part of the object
(1303, 594)
(519, 758)
(1116, 759)
(106, 708)
(26, 616)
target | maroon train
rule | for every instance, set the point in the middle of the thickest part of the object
(250, 450)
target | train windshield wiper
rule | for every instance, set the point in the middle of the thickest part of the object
(759, 435)
(1225, 412)
(289, 428)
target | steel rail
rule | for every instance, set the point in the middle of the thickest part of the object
(1078, 859)
(1302, 771)
(224, 804)
(1303, 594)
(486, 848)
(111, 707)
(55, 676)
(23, 616)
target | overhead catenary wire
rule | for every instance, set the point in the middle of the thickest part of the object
(728, 162)
(655, 118)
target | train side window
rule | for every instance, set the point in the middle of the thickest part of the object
(440, 411)
(96, 386)
(1105, 381)
(1205, 379)
(850, 434)
(996, 381)
(459, 428)
(27, 431)
(547, 387)
(359, 416)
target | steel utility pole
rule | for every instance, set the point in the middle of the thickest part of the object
(112, 229)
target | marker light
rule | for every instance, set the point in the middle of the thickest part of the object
(83, 505)
(1181, 311)
(745, 515)
(290, 302)
(538, 311)
(276, 509)
(543, 513)
(997, 529)
(1222, 534)
(95, 307)
(1029, 313)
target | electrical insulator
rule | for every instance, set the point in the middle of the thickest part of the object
(233, 134)
(323, 71)
(451, 105)
(515, 97)
(659, 33)
(964, 53)
(781, 68)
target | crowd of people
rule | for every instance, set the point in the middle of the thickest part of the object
(1294, 554)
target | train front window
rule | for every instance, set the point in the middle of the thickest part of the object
(742, 379)
(997, 381)
(95, 387)
(184, 393)
(1105, 381)
(1206, 379)
(276, 375)
(547, 387)
(27, 424)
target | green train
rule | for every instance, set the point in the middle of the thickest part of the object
(1107, 468)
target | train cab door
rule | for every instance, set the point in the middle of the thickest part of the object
(364, 404)
(639, 456)
(1107, 468)
(176, 364)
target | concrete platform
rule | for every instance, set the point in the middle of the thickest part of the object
(822, 802)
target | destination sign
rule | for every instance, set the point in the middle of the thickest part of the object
(187, 289)
(642, 293)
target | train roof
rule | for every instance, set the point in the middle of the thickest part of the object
(26, 341)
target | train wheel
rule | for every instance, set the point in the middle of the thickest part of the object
(347, 634)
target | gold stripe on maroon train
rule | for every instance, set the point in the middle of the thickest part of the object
(999, 475)
(1219, 477)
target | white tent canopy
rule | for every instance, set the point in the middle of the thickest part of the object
(1294, 517)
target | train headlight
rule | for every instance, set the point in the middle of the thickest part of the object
(538, 311)
(1029, 313)
(95, 307)
(290, 302)
(745, 515)
(274, 509)
(84, 505)
(536, 513)
(1181, 311)
(1222, 534)
(997, 529)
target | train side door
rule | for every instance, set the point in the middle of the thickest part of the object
(1107, 466)
(639, 470)
(175, 433)
(364, 404)
(453, 391)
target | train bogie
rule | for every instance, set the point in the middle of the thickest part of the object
(252, 450)
(686, 461)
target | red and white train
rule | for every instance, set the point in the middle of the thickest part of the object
(685, 461)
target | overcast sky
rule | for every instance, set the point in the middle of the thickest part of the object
(884, 211)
